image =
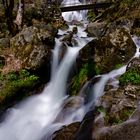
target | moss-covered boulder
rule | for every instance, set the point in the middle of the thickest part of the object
(32, 46)
(106, 52)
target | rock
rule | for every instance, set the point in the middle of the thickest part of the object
(119, 103)
(32, 46)
(74, 30)
(69, 107)
(117, 46)
(67, 132)
(129, 130)
(134, 63)
(68, 38)
(4, 43)
(96, 29)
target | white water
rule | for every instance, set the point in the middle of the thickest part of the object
(137, 42)
(27, 120)
(35, 117)
(74, 15)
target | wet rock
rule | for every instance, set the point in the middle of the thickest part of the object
(67, 132)
(70, 106)
(85, 129)
(77, 131)
(134, 63)
(96, 29)
(68, 37)
(74, 30)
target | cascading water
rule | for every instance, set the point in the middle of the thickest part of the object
(33, 118)
(36, 117)
(74, 15)
(38, 112)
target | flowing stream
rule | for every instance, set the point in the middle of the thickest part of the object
(37, 117)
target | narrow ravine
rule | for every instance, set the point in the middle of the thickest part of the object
(37, 117)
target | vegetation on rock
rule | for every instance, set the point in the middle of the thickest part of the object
(131, 76)
(16, 85)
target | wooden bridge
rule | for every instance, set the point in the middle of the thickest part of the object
(76, 5)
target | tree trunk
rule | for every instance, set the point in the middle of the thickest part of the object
(8, 8)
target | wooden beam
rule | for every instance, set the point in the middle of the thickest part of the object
(86, 7)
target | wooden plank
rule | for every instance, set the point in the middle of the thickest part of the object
(85, 7)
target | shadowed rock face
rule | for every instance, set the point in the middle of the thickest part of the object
(67, 132)
(106, 52)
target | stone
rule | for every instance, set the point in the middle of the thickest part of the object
(32, 46)
(116, 46)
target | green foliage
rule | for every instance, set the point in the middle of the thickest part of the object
(117, 66)
(97, 70)
(131, 76)
(90, 15)
(24, 73)
(79, 79)
(101, 110)
(86, 72)
(127, 2)
(15, 84)
(12, 76)
(119, 118)
(123, 116)
(106, 115)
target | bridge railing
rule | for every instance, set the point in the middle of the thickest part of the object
(73, 5)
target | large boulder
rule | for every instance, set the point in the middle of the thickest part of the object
(117, 47)
(32, 46)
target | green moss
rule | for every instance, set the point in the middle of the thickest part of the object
(118, 118)
(123, 116)
(88, 71)
(127, 3)
(131, 76)
(117, 66)
(97, 70)
(16, 84)
(100, 109)
(79, 80)
(90, 15)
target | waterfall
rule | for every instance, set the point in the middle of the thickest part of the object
(36, 117)
(28, 119)
(55, 57)
(74, 15)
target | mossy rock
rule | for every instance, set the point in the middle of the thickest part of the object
(32, 46)
(132, 74)
(16, 85)
(86, 72)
